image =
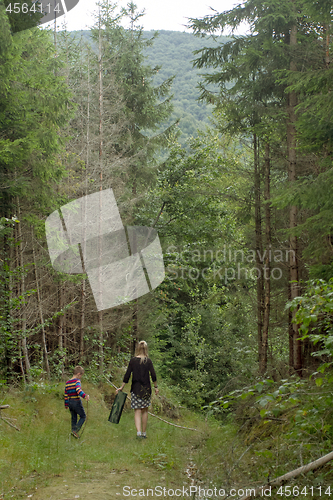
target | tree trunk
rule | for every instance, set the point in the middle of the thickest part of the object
(23, 307)
(135, 333)
(291, 150)
(61, 326)
(100, 313)
(7, 356)
(21, 363)
(46, 358)
(258, 246)
(267, 267)
(290, 333)
(86, 139)
(82, 319)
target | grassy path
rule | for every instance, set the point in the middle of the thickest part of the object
(102, 483)
(104, 465)
(44, 462)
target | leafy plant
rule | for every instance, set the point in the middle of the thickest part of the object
(314, 314)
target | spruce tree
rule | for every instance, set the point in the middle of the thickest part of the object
(145, 105)
(34, 105)
(254, 97)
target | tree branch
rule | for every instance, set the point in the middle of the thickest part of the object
(290, 475)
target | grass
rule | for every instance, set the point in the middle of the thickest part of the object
(43, 449)
(42, 459)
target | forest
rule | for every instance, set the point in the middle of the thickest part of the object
(223, 144)
(173, 51)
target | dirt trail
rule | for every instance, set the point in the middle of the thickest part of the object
(98, 482)
(103, 487)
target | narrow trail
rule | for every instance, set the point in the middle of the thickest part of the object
(99, 482)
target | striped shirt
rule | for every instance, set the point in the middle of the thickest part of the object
(73, 390)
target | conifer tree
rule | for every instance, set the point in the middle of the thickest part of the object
(280, 39)
(34, 105)
(143, 110)
(145, 106)
(22, 15)
(312, 84)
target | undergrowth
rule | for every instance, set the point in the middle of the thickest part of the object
(280, 427)
(243, 440)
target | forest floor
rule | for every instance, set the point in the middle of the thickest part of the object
(43, 461)
(142, 464)
(98, 482)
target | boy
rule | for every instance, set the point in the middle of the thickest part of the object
(73, 392)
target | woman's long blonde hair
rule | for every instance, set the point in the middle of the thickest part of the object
(141, 350)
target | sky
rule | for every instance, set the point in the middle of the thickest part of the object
(159, 14)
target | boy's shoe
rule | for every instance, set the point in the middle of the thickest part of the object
(143, 437)
(75, 434)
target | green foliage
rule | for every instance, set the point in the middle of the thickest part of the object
(313, 194)
(254, 76)
(173, 52)
(202, 327)
(146, 105)
(35, 104)
(11, 307)
(8, 341)
(314, 314)
(23, 17)
(266, 401)
(5, 35)
(170, 56)
(247, 69)
(189, 197)
(287, 415)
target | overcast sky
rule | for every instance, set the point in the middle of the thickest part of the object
(159, 14)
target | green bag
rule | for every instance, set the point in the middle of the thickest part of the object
(117, 407)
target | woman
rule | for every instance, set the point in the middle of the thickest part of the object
(140, 366)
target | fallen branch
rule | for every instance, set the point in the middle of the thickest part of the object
(3, 407)
(290, 475)
(153, 415)
(9, 423)
(175, 425)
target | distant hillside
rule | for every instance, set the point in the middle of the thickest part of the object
(173, 50)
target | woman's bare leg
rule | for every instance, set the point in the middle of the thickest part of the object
(144, 413)
(137, 420)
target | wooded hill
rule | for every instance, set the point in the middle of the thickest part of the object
(173, 52)
(244, 212)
